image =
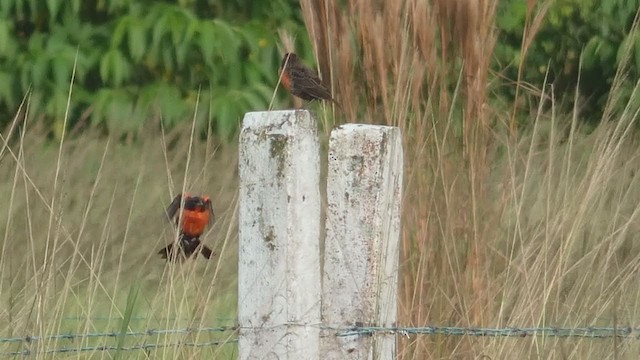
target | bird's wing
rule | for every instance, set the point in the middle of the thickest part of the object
(307, 81)
(174, 206)
(207, 201)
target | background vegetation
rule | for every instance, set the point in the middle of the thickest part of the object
(519, 118)
(141, 59)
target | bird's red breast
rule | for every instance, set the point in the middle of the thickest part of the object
(286, 79)
(197, 213)
(194, 222)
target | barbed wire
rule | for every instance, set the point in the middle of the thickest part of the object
(593, 332)
(114, 334)
(143, 318)
(581, 332)
(145, 347)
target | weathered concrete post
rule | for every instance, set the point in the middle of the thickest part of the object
(279, 214)
(360, 280)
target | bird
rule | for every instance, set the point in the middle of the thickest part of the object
(197, 213)
(301, 81)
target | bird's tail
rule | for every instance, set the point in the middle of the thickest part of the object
(187, 246)
(206, 251)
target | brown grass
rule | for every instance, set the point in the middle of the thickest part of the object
(500, 228)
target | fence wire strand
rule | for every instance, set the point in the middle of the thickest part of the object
(631, 333)
(582, 332)
(149, 332)
(146, 347)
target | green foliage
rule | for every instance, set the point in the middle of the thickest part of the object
(598, 30)
(138, 59)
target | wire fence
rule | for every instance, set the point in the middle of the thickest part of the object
(631, 333)
(27, 342)
(582, 332)
(146, 346)
(114, 334)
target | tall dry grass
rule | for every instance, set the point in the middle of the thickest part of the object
(501, 227)
(81, 225)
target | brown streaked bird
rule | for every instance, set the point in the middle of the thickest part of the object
(197, 213)
(301, 81)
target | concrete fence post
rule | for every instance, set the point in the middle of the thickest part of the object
(279, 236)
(360, 275)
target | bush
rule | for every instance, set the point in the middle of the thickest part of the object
(598, 30)
(137, 59)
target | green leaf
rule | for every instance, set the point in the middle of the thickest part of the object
(62, 69)
(254, 101)
(137, 40)
(264, 91)
(121, 69)
(206, 42)
(512, 16)
(607, 7)
(53, 6)
(168, 100)
(229, 40)
(192, 30)
(177, 26)
(114, 68)
(75, 6)
(7, 42)
(181, 51)
(99, 103)
(159, 30)
(6, 89)
(223, 114)
(589, 56)
(39, 71)
(123, 24)
(57, 106)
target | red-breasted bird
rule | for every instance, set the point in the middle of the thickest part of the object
(197, 213)
(301, 81)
